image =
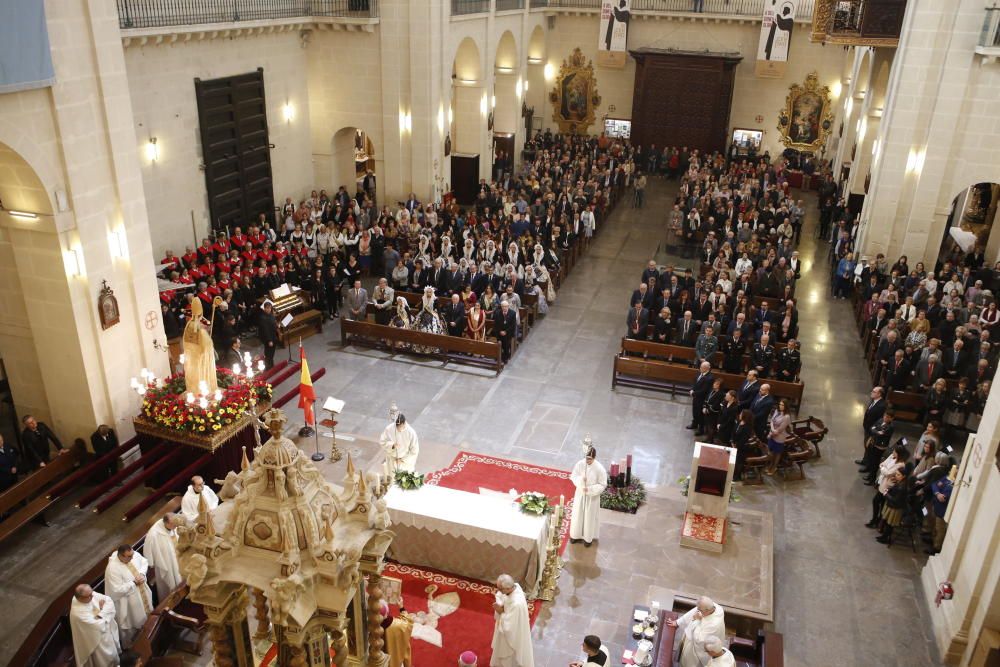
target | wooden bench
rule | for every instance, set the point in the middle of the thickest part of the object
(667, 351)
(908, 405)
(631, 371)
(526, 314)
(450, 348)
(30, 492)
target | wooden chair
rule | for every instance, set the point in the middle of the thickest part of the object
(188, 615)
(812, 430)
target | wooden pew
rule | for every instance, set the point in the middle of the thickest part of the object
(31, 492)
(668, 351)
(908, 405)
(451, 348)
(525, 313)
(646, 373)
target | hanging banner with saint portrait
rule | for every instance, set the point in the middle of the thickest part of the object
(613, 38)
(775, 38)
(806, 119)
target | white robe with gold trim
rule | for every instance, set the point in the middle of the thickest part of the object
(512, 633)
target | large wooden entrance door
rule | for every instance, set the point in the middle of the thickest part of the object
(682, 98)
(232, 116)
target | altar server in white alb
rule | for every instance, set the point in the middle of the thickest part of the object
(512, 633)
(160, 550)
(590, 479)
(720, 655)
(95, 632)
(125, 583)
(401, 446)
(694, 628)
(197, 489)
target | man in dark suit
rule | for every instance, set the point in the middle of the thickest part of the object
(687, 330)
(505, 328)
(103, 440)
(761, 407)
(956, 361)
(439, 277)
(733, 349)
(418, 277)
(640, 295)
(879, 437)
(928, 372)
(873, 414)
(454, 316)
(650, 272)
(897, 373)
(699, 393)
(748, 391)
(35, 439)
(267, 332)
(637, 321)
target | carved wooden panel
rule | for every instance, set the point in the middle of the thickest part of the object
(682, 99)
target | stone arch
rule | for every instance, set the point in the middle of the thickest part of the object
(346, 160)
(467, 66)
(506, 53)
(536, 45)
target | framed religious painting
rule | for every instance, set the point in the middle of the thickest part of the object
(107, 306)
(574, 97)
(807, 118)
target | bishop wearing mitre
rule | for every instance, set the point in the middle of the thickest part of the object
(95, 632)
(401, 446)
(590, 478)
(160, 550)
(705, 621)
(512, 632)
(199, 353)
(125, 583)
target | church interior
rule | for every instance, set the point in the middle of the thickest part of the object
(516, 333)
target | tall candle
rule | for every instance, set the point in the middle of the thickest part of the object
(621, 473)
(562, 500)
(628, 459)
(628, 470)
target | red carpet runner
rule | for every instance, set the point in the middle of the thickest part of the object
(470, 627)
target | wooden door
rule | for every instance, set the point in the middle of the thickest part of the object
(682, 99)
(232, 115)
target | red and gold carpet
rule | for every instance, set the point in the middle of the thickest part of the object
(469, 626)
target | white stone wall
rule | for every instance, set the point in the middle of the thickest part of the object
(161, 88)
(752, 96)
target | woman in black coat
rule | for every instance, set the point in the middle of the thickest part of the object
(728, 416)
(741, 441)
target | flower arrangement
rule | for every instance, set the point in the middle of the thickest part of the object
(624, 498)
(533, 502)
(685, 483)
(408, 481)
(165, 402)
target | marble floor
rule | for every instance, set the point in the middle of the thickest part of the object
(840, 598)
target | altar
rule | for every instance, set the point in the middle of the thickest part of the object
(478, 536)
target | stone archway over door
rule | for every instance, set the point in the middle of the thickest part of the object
(348, 145)
(972, 226)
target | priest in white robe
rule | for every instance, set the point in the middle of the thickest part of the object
(590, 479)
(195, 491)
(720, 656)
(401, 446)
(512, 632)
(160, 551)
(95, 632)
(706, 620)
(125, 583)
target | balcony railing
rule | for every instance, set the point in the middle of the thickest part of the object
(503, 5)
(163, 13)
(460, 7)
(749, 8)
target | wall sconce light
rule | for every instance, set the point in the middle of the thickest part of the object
(467, 82)
(875, 149)
(22, 215)
(72, 262)
(440, 119)
(534, 61)
(836, 89)
(850, 105)
(493, 102)
(505, 70)
(288, 112)
(451, 115)
(525, 85)
(409, 122)
(518, 88)
(550, 72)
(482, 105)
(152, 150)
(915, 160)
(862, 128)
(118, 244)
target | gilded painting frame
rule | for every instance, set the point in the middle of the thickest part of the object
(574, 97)
(807, 118)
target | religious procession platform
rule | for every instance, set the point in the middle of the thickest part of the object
(208, 441)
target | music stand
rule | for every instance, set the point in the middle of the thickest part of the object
(334, 406)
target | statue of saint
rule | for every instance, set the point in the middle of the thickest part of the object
(199, 354)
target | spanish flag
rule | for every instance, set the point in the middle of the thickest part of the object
(307, 396)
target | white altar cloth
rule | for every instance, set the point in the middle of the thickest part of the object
(472, 535)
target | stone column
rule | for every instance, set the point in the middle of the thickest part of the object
(376, 658)
(222, 648)
(229, 629)
(340, 647)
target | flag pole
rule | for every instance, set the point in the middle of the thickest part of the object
(307, 430)
(318, 456)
